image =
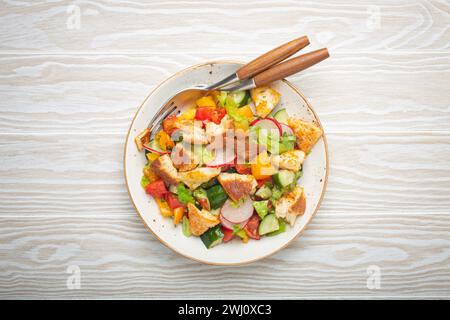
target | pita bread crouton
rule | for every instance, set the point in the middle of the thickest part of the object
(194, 178)
(307, 133)
(200, 220)
(237, 186)
(291, 205)
(163, 167)
(290, 160)
(265, 100)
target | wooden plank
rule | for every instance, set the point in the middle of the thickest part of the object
(119, 258)
(198, 26)
(79, 93)
(81, 175)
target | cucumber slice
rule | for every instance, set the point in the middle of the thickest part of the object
(264, 192)
(281, 116)
(186, 227)
(283, 178)
(281, 229)
(268, 224)
(212, 237)
(261, 207)
(240, 98)
(216, 196)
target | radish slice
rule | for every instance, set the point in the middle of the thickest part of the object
(286, 129)
(227, 224)
(238, 214)
(223, 156)
(267, 124)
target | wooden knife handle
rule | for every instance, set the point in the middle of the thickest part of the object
(291, 66)
(271, 58)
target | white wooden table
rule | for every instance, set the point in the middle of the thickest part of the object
(72, 74)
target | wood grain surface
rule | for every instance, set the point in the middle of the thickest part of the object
(69, 88)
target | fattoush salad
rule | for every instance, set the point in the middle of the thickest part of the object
(228, 166)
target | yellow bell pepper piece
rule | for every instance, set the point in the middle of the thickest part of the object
(189, 114)
(262, 167)
(164, 140)
(164, 208)
(152, 156)
(247, 112)
(207, 101)
(178, 214)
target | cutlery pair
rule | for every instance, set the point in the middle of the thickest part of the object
(261, 71)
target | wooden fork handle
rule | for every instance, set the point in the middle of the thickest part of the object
(271, 58)
(291, 66)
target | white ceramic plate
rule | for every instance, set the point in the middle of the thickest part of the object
(314, 179)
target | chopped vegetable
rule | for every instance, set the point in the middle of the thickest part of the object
(164, 140)
(233, 113)
(240, 233)
(281, 229)
(287, 143)
(173, 201)
(144, 182)
(227, 234)
(201, 196)
(210, 114)
(184, 194)
(212, 237)
(262, 168)
(216, 196)
(261, 207)
(164, 208)
(264, 192)
(156, 189)
(222, 97)
(178, 214)
(251, 228)
(247, 112)
(189, 114)
(243, 168)
(277, 192)
(239, 98)
(281, 116)
(170, 124)
(151, 156)
(206, 101)
(284, 178)
(186, 227)
(268, 224)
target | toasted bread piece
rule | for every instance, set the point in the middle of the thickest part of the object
(163, 167)
(183, 157)
(193, 132)
(214, 131)
(290, 160)
(307, 133)
(194, 178)
(237, 186)
(291, 205)
(265, 100)
(200, 220)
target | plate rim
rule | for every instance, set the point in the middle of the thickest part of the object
(296, 236)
